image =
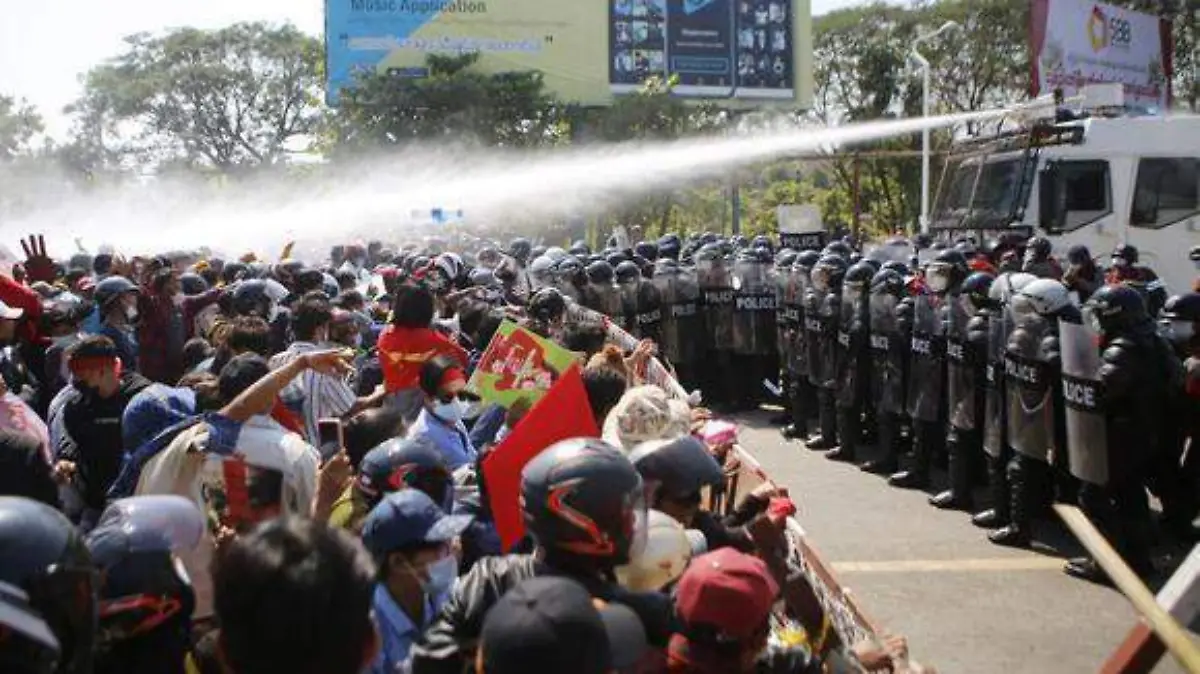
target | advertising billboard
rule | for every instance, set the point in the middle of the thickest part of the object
(746, 51)
(1075, 42)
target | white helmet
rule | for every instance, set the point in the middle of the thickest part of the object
(1009, 284)
(1043, 296)
(555, 253)
(669, 547)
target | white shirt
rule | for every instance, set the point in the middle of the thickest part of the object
(318, 395)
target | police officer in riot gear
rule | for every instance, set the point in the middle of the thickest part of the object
(802, 395)
(716, 287)
(928, 370)
(854, 361)
(1034, 403)
(994, 439)
(683, 322)
(826, 279)
(967, 357)
(891, 334)
(1119, 399)
(786, 316)
(753, 324)
(600, 293)
(629, 277)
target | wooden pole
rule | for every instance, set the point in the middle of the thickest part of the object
(1141, 650)
(1174, 637)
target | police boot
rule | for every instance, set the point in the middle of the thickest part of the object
(827, 414)
(849, 425)
(917, 475)
(797, 412)
(958, 496)
(1021, 493)
(996, 516)
(886, 461)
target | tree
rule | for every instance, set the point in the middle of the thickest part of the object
(243, 96)
(19, 123)
(456, 101)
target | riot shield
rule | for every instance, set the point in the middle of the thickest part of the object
(814, 331)
(1027, 387)
(798, 286)
(828, 348)
(999, 325)
(664, 282)
(688, 317)
(627, 318)
(753, 309)
(887, 355)
(717, 292)
(961, 367)
(928, 346)
(648, 320)
(602, 297)
(786, 315)
(853, 322)
(1083, 394)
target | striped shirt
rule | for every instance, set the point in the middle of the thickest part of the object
(314, 395)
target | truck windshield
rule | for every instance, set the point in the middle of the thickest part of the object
(979, 194)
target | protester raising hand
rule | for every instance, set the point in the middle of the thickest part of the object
(38, 265)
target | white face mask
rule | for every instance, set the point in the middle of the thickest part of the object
(452, 412)
(131, 314)
(937, 282)
(439, 576)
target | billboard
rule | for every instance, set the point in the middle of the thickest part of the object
(748, 52)
(1075, 42)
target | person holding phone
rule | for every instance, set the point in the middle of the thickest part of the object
(443, 383)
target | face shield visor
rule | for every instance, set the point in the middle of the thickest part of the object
(937, 277)
(822, 278)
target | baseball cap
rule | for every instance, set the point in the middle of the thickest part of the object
(409, 517)
(728, 591)
(153, 410)
(10, 313)
(549, 624)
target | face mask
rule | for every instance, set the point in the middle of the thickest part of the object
(1180, 332)
(131, 314)
(1120, 262)
(937, 283)
(440, 576)
(452, 412)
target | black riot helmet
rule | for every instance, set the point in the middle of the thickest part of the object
(1185, 307)
(738, 241)
(839, 248)
(676, 468)
(627, 272)
(647, 250)
(946, 271)
(520, 249)
(110, 290)
(250, 298)
(828, 273)
(710, 252)
(807, 259)
(858, 277)
(763, 241)
(43, 557)
(600, 272)
(580, 249)
(896, 266)
(583, 497)
(547, 304)
(615, 258)
(669, 246)
(536, 252)
(192, 284)
(977, 289)
(666, 267)
(888, 282)
(786, 258)
(1116, 309)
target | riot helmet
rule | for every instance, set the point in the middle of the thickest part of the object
(888, 282)
(763, 241)
(43, 556)
(1008, 284)
(192, 283)
(555, 253)
(627, 272)
(646, 250)
(541, 270)
(669, 246)
(547, 304)
(1044, 297)
(976, 291)
(709, 252)
(1116, 309)
(827, 274)
(785, 259)
(250, 298)
(858, 277)
(839, 248)
(897, 266)
(946, 271)
(520, 249)
(807, 259)
(580, 249)
(582, 497)
(600, 273)
(1125, 255)
(1181, 313)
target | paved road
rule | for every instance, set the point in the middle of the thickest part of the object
(966, 605)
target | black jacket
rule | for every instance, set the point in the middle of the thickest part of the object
(448, 645)
(23, 469)
(93, 438)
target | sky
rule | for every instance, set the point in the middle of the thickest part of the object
(46, 46)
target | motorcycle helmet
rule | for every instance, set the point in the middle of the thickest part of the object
(977, 291)
(1044, 297)
(1181, 313)
(402, 463)
(45, 566)
(678, 468)
(668, 550)
(1125, 255)
(582, 497)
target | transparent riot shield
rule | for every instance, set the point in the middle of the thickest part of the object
(927, 349)
(786, 315)
(716, 286)
(814, 333)
(664, 282)
(689, 319)
(887, 355)
(851, 334)
(799, 282)
(754, 308)
(1027, 386)
(999, 326)
(603, 297)
(962, 386)
(627, 318)
(829, 348)
(648, 320)
(1083, 394)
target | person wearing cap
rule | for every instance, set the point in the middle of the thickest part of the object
(551, 624)
(725, 600)
(444, 386)
(91, 448)
(411, 539)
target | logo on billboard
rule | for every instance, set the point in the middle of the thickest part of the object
(1108, 31)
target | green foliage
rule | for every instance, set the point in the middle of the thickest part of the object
(19, 123)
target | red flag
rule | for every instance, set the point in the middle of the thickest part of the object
(564, 412)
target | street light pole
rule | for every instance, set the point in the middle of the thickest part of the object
(923, 63)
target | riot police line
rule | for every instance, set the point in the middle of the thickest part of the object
(1004, 379)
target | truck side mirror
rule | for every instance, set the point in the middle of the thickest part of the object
(1051, 205)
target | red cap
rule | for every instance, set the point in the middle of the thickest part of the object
(728, 590)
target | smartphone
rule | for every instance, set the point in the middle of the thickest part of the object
(329, 438)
